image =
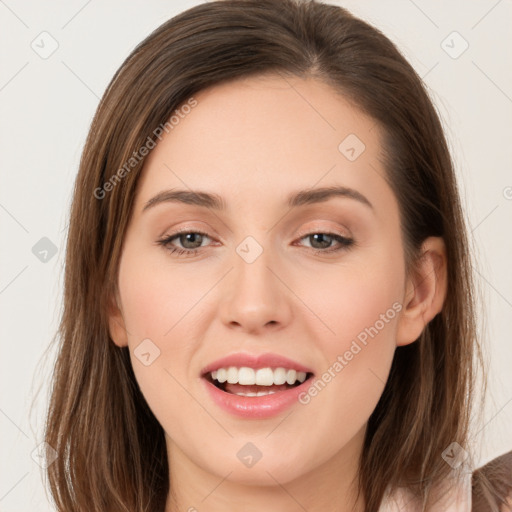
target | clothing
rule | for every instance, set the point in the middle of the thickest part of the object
(458, 499)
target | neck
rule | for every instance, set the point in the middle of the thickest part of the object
(330, 486)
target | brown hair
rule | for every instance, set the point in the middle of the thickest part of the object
(111, 448)
(492, 485)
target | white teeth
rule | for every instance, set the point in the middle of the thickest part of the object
(262, 377)
(246, 376)
(259, 393)
(265, 377)
(291, 377)
(279, 376)
(263, 393)
(232, 375)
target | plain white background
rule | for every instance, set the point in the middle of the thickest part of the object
(46, 106)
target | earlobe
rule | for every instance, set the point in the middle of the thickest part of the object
(425, 291)
(116, 325)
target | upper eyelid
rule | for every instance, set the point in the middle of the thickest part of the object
(329, 231)
(305, 232)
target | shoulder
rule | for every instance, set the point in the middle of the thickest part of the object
(492, 485)
(486, 489)
(457, 498)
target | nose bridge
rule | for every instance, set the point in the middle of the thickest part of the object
(251, 275)
(254, 296)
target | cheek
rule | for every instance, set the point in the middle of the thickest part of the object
(157, 306)
(361, 307)
(157, 300)
(361, 295)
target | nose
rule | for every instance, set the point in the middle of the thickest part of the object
(255, 297)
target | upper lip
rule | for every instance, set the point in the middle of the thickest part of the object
(255, 361)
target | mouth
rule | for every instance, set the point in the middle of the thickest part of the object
(256, 382)
(255, 387)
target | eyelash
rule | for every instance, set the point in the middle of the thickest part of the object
(344, 242)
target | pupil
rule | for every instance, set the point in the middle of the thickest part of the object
(184, 240)
(322, 238)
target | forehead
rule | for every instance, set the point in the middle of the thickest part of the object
(260, 136)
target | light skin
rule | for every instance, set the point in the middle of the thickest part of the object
(254, 142)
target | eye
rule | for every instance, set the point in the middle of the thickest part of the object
(190, 242)
(321, 242)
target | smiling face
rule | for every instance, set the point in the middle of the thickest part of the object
(267, 268)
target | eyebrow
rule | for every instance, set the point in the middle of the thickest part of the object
(216, 202)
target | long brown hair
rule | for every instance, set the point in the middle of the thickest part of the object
(111, 448)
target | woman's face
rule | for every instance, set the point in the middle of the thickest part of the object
(282, 277)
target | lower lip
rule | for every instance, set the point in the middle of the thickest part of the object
(256, 407)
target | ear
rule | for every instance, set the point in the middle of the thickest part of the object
(425, 291)
(116, 325)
